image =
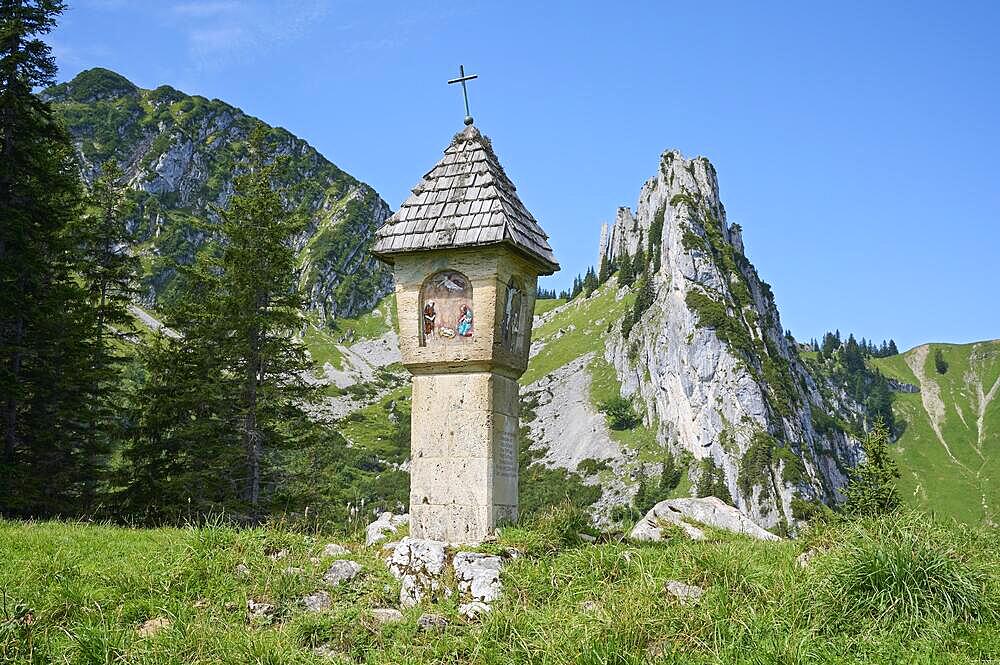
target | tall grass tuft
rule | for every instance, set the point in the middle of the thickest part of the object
(902, 572)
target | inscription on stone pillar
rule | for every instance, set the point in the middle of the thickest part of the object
(505, 460)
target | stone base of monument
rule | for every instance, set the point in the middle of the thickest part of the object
(429, 570)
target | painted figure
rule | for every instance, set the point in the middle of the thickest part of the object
(429, 316)
(464, 327)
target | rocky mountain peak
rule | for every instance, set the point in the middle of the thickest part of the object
(707, 358)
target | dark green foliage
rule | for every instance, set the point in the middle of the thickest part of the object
(226, 395)
(872, 489)
(644, 297)
(590, 283)
(712, 314)
(826, 423)
(620, 413)
(626, 274)
(712, 481)
(844, 364)
(655, 246)
(940, 364)
(755, 465)
(649, 493)
(49, 370)
(591, 467)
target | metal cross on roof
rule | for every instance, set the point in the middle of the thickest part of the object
(462, 78)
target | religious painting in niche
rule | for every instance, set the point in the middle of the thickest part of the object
(446, 315)
(511, 322)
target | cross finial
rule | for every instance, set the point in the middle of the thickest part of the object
(462, 78)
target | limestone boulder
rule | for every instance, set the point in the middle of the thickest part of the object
(419, 564)
(686, 594)
(386, 525)
(688, 513)
(341, 571)
(478, 576)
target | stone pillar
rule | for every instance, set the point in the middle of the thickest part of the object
(463, 466)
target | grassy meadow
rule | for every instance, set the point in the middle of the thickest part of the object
(897, 590)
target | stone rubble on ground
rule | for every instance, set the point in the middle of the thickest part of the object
(478, 576)
(317, 602)
(340, 571)
(421, 566)
(473, 611)
(259, 611)
(709, 511)
(685, 594)
(293, 570)
(383, 527)
(418, 565)
(242, 569)
(432, 622)
(385, 615)
(806, 557)
(333, 549)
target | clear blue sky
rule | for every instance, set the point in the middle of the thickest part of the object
(858, 144)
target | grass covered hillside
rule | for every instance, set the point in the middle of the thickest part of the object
(949, 451)
(895, 590)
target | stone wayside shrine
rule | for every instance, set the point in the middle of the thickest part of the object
(466, 256)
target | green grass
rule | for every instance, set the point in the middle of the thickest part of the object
(547, 304)
(577, 330)
(322, 340)
(604, 386)
(898, 590)
(956, 485)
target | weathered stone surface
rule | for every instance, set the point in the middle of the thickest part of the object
(685, 594)
(333, 549)
(709, 511)
(293, 570)
(429, 622)
(478, 576)
(803, 560)
(707, 398)
(387, 615)
(259, 612)
(341, 571)
(386, 525)
(473, 611)
(317, 602)
(418, 565)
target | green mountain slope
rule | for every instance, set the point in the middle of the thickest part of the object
(179, 152)
(949, 452)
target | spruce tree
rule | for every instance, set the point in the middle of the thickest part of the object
(46, 357)
(237, 366)
(626, 275)
(872, 490)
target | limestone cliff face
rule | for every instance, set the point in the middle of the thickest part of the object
(179, 153)
(709, 361)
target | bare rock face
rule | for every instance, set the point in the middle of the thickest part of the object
(708, 360)
(386, 525)
(317, 602)
(688, 513)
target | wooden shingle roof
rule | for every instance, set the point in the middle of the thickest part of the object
(466, 200)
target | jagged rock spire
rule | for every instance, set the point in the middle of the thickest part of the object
(466, 200)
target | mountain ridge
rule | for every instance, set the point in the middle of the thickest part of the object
(179, 153)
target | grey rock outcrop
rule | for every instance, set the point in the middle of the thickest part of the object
(341, 571)
(386, 525)
(478, 576)
(317, 602)
(686, 594)
(687, 514)
(708, 361)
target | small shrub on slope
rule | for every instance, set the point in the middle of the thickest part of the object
(872, 489)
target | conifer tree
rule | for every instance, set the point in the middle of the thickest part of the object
(872, 490)
(892, 350)
(626, 276)
(236, 367)
(46, 358)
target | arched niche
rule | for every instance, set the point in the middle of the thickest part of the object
(511, 323)
(446, 314)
